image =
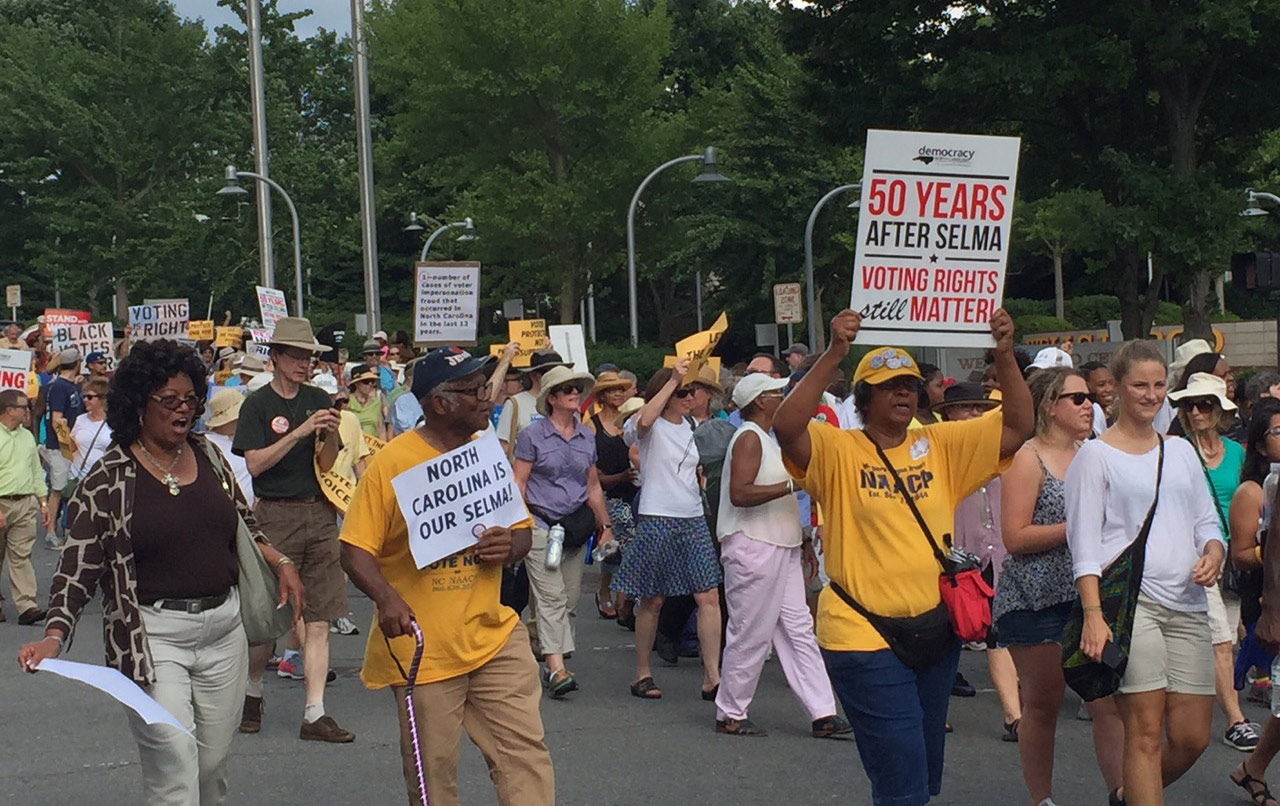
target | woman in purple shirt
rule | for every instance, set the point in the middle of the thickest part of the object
(555, 468)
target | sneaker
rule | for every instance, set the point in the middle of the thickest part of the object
(344, 626)
(251, 716)
(274, 662)
(1242, 736)
(290, 668)
(1260, 691)
(32, 615)
(325, 729)
(831, 727)
(561, 683)
(976, 646)
(962, 687)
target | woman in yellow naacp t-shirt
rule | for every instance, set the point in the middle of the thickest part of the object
(875, 549)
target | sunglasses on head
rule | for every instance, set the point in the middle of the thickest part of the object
(1204, 405)
(1077, 398)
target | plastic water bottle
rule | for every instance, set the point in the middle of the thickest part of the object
(603, 551)
(555, 547)
(1268, 496)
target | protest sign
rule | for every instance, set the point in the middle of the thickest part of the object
(449, 501)
(933, 237)
(62, 316)
(261, 340)
(339, 489)
(530, 334)
(446, 302)
(87, 337)
(232, 337)
(713, 361)
(162, 319)
(272, 306)
(374, 444)
(15, 366)
(200, 330)
(699, 346)
(571, 343)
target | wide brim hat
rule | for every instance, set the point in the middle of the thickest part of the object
(707, 377)
(1183, 355)
(629, 407)
(295, 331)
(224, 407)
(1204, 384)
(544, 360)
(966, 394)
(884, 364)
(610, 380)
(559, 376)
(364, 373)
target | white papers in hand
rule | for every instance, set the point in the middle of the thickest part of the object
(121, 688)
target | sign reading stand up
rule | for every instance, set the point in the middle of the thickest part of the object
(933, 237)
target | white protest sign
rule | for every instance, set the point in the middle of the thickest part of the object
(448, 501)
(161, 319)
(933, 237)
(259, 346)
(87, 337)
(15, 366)
(571, 344)
(446, 302)
(272, 306)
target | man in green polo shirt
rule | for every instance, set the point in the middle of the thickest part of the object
(23, 498)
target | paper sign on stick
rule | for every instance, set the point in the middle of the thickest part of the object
(571, 343)
(15, 367)
(200, 330)
(530, 334)
(272, 306)
(933, 237)
(63, 316)
(449, 501)
(699, 346)
(446, 302)
(159, 320)
(232, 337)
(87, 337)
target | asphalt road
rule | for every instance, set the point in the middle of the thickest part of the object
(62, 743)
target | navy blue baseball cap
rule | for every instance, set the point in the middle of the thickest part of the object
(444, 364)
(94, 357)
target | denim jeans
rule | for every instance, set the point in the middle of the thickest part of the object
(899, 718)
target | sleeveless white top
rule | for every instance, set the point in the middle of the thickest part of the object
(776, 522)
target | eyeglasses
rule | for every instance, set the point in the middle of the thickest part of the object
(175, 402)
(480, 392)
(90, 396)
(1204, 405)
(1273, 432)
(683, 391)
(366, 380)
(1077, 398)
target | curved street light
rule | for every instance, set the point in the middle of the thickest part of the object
(232, 188)
(710, 173)
(467, 226)
(808, 259)
(1256, 196)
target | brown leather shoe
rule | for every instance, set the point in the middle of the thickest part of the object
(251, 717)
(325, 729)
(32, 615)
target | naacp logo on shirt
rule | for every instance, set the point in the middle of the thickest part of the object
(876, 482)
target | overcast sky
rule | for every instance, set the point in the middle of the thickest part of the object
(332, 15)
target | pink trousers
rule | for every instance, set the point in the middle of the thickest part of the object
(764, 593)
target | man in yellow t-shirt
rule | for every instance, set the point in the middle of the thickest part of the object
(477, 672)
(875, 549)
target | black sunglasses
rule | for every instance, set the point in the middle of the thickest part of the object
(1204, 405)
(683, 391)
(568, 389)
(1077, 398)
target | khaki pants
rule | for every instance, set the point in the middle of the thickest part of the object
(555, 592)
(17, 540)
(497, 705)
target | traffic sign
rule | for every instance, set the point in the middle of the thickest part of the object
(13, 296)
(788, 307)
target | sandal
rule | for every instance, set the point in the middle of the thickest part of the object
(646, 689)
(1114, 799)
(1256, 788)
(606, 610)
(710, 696)
(739, 727)
(1011, 731)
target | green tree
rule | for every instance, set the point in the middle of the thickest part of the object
(1065, 223)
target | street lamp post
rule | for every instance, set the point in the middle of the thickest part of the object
(710, 173)
(232, 188)
(1255, 208)
(467, 226)
(808, 261)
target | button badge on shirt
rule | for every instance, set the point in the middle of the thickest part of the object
(920, 448)
(280, 424)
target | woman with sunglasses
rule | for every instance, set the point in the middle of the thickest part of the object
(366, 401)
(1249, 516)
(91, 433)
(1213, 364)
(1204, 411)
(1035, 591)
(555, 469)
(673, 554)
(170, 603)
(1165, 697)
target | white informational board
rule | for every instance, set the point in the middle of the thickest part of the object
(159, 319)
(446, 302)
(933, 237)
(87, 337)
(15, 366)
(447, 502)
(272, 306)
(570, 342)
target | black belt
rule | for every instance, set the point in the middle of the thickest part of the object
(16, 496)
(192, 606)
(311, 499)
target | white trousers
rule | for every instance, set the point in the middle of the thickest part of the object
(201, 663)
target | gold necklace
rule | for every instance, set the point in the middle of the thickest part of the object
(169, 480)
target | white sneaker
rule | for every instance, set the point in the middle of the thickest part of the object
(344, 626)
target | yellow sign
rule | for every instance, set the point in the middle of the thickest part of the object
(232, 337)
(200, 330)
(530, 334)
(698, 346)
(374, 444)
(713, 361)
(338, 489)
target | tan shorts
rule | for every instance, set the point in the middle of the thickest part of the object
(1224, 614)
(1170, 650)
(307, 533)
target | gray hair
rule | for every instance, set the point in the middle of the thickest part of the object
(1260, 383)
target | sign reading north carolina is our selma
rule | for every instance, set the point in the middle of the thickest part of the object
(447, 502)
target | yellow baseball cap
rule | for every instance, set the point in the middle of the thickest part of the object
(885, 363)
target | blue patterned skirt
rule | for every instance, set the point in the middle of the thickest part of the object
(668, 557)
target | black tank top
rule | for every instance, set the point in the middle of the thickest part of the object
(612, 457)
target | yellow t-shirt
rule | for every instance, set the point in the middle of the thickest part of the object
(456, 600)
(354, 447)
(873, 547)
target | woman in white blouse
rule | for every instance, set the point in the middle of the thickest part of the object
(1168, 688)
(91, 434)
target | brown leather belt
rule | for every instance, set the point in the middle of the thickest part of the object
(16, 497)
